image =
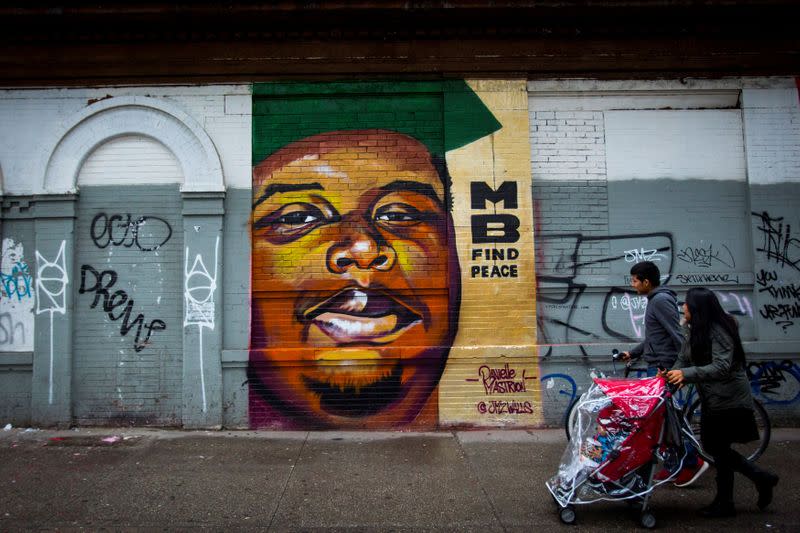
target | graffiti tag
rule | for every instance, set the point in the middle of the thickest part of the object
(775, 382)
(577, 257)
(704, 279)
(707, 257)
(105, 280)
(147, 233)
(51, 294)
(568, 392)
(17, 282)
(12, 331)
(640, 254)
(777, 241)
(785, 307)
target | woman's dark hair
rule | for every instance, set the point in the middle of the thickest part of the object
(705, 311)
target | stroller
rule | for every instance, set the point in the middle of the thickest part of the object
(627, 431)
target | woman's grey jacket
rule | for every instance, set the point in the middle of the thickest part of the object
(721, 384)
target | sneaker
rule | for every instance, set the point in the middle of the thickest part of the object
(687, 476)
(662, 474)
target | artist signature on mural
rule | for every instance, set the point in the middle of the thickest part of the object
(499, 407)
(502, 380)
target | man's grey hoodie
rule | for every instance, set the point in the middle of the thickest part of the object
(662, 329)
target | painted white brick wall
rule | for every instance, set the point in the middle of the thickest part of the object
(567, 145)
(130, 160)
(32, 121)
(568, 165)
(685, 144)
(772, 135)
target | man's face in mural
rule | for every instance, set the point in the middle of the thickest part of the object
(355, 281)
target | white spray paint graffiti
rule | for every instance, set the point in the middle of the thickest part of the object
(198, 293)
(16, 299)
(630, 304)
(51, 294)
(745, 309)
(640, 254)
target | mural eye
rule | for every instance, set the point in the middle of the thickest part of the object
(399, 215)
(291, 219)
(297, 218)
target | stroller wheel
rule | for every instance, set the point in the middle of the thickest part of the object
(567, 514)
(647, 520)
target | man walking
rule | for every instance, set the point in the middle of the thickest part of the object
(662, 328)
(661, 344)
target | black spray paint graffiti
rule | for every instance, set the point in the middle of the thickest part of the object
(148, 233)
(706, 279)
(785, 307)
(576, 257)
(105, 280)
(567, 302)
(706, 257)
(775, 382)
(777, 241)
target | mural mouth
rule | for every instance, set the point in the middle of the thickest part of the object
(361, 401)
(362, 316)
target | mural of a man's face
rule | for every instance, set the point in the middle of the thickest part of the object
(355, 280)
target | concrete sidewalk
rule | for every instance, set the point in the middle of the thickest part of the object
(271, 481)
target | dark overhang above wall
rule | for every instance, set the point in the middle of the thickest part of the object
(71, 43)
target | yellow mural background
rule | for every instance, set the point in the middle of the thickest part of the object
(497, 326)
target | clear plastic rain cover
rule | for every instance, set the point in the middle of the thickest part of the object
(615, 438)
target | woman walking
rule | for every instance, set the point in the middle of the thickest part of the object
(712, 357)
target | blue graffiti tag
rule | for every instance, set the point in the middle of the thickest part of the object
(570, 391)
(775, 382)
(18, 282)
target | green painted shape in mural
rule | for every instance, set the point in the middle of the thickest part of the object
(443, 115)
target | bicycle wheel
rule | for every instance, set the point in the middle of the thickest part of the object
(751, 450)
(570, 418)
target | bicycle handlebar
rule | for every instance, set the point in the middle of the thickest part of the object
(616, 355)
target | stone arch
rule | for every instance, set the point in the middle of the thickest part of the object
(158, 119)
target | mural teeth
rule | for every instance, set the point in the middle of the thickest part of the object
(356, 302)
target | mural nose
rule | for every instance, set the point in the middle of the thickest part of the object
(361, 251)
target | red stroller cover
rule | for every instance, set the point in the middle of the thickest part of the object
(636, 414)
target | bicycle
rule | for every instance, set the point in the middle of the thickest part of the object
(691, 410)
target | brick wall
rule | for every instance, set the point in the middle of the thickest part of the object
(702, 176)
(683, 166)
(569, 169)
(128, 346)
(86, 365)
